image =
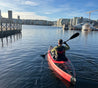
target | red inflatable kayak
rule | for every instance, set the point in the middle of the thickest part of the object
(63, 69)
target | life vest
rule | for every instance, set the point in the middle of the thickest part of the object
(60, 54)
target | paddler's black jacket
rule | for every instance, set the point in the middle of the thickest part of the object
(59, 52)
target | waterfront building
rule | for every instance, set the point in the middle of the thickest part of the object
(77, 20)
(30, 22)
(61, 22)
(37, 22)
(54, 23)
(85, 20)
(71, 22)
(74, 21)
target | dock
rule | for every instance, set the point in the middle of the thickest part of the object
(9, 26)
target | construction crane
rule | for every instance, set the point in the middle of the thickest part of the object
(90, 13)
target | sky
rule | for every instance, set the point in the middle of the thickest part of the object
(49, 9)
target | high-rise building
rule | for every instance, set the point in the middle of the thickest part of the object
(0, 15)
(18, 17)
(10, 14)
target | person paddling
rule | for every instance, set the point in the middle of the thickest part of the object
(58, 52)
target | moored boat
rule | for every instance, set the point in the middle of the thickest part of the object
(63, 69)
(88, 27)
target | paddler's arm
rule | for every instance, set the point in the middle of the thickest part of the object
(66, 46)
(53, 50)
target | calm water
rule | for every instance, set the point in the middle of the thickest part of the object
(22, 67)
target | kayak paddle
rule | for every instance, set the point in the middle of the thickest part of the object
(73, 36)
(43, 55)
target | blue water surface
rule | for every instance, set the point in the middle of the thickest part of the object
(21, 65)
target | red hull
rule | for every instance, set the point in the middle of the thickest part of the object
(61, 74)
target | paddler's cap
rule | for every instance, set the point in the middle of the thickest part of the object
(60, 41)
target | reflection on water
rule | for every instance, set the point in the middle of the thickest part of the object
(89, 37)
(65, 82)
(20, 61)
(10, 39)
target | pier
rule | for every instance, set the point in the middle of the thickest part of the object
(9, 26)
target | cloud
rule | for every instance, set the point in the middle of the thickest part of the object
(30, 15)
(9, 6)
(6, 5)
(47, 13)
(31, 3)
(90, 4)
(46, 9)
(26, 15)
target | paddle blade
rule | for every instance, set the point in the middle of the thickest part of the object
(75, 35)
(43, 56)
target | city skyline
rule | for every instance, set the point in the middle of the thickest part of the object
(49, 9)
